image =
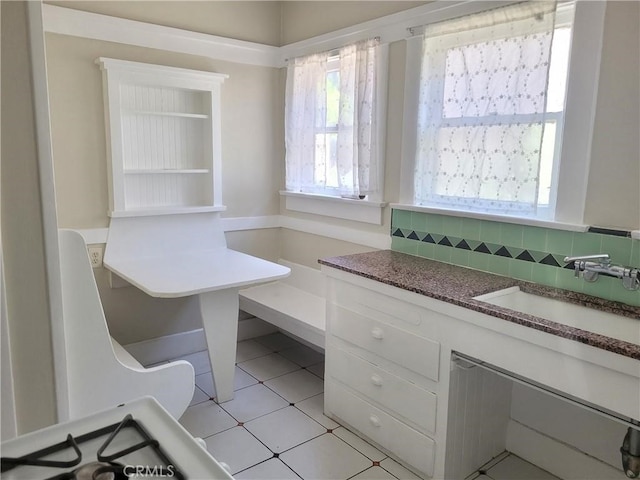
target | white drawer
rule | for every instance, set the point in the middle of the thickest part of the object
(388, 309)
(403, 441)
(416, 405)
(407, 349)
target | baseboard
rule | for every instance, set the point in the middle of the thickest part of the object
(161, 349)
(556, 457)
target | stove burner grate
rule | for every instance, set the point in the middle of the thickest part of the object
(105, 468)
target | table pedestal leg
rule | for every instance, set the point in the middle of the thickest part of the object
(219, 312)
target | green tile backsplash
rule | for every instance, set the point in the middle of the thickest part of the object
(519, 251)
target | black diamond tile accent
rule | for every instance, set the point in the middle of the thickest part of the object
(570, 266)
(473, 244)
(526, 256)
(482, 248)
(413, 236)
(560, 260)
(437, 237)
(428, 239)
(463, 245)
(503, 252)
(549, 260)
(398, 233)
(445, 241)
(493, 247)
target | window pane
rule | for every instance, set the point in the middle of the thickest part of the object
(333, 98)
(558, 69)
(326, 170)
(488, 163)
(546, 163)
(501, 77)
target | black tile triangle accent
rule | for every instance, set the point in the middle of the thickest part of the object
(503, 252)
(526, 256)
(445, 241)
(398, 233)
(413, 236)
(549, 260)
(482, 248)
(428, 239)
(570, 266)
(463, 245)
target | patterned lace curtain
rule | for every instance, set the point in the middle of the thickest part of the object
(330, 122)
(482, 110)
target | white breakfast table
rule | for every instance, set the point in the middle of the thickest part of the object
(169, 256)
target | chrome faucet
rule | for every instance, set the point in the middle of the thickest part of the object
(602, 266)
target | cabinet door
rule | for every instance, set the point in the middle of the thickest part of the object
(411, 403)
(404, 348)
(407, 444)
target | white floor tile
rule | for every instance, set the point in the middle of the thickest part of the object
(359, 444)
(302, 355)
(325, 457)
(206, 419)
(374, 473)
(237, 448)
(317, 369)
(198, 397)
(250, 349)
(277, 341)
(269, 366)
(272, 469)
(253, 402)
(314, 407)
(296, 386)
(284, 429)
(241, 379)
(514, 468)
(199, 360)
(397, 470)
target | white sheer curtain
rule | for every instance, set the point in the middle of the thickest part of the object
(330, 135)
(483, 109)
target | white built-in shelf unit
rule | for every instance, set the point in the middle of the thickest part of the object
(163, 138)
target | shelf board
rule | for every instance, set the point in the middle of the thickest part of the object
(168, 114)
(165, 171)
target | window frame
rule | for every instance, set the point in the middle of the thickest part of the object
(572, 170)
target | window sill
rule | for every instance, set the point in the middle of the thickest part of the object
(534, 222)
(364, 211)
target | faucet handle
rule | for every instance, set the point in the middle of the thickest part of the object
(603, 257)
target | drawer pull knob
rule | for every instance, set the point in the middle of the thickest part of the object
(376, 380)
(377, 333)
(375, 421)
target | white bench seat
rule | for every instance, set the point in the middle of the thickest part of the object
(100, 372)
(295, 304)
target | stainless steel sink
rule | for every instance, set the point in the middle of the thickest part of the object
(578, 316)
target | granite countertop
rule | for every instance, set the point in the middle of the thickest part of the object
(458, 285)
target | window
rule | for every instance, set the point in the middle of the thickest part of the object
(491, 110)
(331, 122)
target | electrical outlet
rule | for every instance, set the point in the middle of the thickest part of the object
(95, 255)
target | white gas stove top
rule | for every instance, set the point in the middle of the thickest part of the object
(137, 439)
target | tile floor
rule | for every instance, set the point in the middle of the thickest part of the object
(275, 428)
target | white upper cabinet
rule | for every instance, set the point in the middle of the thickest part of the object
(163, 138)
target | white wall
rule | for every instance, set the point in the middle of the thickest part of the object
(22, 231)
(613, 197)
(252, 21)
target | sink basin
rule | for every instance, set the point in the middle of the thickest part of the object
(584, 318)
